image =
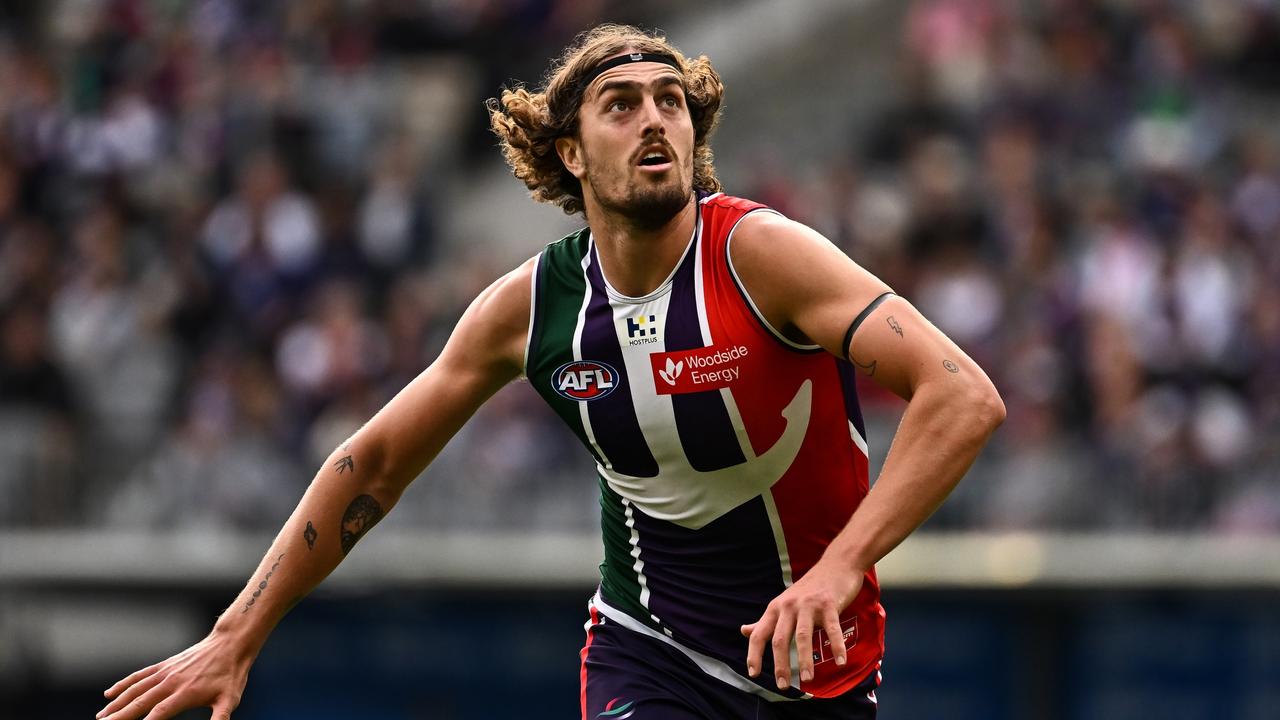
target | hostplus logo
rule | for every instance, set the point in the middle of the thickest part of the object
(642, 330)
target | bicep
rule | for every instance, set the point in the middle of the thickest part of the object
(802, 281)
(900, 349)
(484, 353)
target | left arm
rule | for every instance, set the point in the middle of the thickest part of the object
(811, 291)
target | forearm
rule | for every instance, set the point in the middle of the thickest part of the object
(346, 499)
(941, 434)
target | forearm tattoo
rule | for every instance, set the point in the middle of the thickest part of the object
(950, 366)
(345, 463)
(262, 585)
(310, 535)
(362, 514)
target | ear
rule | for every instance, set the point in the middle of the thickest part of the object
(570, 151)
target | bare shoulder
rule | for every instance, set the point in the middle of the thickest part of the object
(802, 283)
(770, 237)
(494, 328)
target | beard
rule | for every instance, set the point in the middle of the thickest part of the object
(645, 208)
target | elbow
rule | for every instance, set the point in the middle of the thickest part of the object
(363, 463)
(988, 408)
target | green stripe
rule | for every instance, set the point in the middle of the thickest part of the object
(618, 575)
(560, 289)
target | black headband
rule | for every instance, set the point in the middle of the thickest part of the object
(623, 60)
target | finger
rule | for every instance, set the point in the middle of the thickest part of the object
(122, 684)
(831, 623)
(142, 703)
(804, 644)
(167, 708)
(222, 711)
(782, 634)
(760, 631)
(746, 629)
(131, 694)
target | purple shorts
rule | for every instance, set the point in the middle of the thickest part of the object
(627, 675)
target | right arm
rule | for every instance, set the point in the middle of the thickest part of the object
(354, 488)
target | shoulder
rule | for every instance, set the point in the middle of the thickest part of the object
(772, 245)
(506, 301)
(495, 326)
(731, 203)
(569, 249)
(802, 283)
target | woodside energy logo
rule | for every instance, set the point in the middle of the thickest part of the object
(687, 371)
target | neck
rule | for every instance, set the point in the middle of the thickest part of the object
(636, 260)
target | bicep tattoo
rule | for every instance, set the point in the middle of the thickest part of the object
(310, 535)
(345, 463)
(362, 514)
(950, 366)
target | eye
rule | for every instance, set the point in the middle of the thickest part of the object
(618, 105)
(671, 101)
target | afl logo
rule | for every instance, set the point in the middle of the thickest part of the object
(584, 380)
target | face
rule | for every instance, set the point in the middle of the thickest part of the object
(634, 150)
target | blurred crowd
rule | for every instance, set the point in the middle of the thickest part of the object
(219, 252)
(1086, 197)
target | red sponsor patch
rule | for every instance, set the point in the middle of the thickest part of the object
(822, 651)
(687, 371)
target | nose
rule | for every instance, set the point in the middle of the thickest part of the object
(651, 118)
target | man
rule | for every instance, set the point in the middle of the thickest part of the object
(703, 348)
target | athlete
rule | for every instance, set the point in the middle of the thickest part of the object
(704, 350)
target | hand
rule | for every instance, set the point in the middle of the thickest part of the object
(815, 600)
(211, 673)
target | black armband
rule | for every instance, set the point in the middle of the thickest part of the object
(853, 326)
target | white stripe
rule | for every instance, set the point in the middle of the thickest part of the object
(752, 303)
(639, 565)
(655, 414)
(784, 561)
(735, 417)
(740, 428)
(775, 522)
(577, 355)
(533, 307)
(709, 665)
(698, 285)
(744, 440)
(858, 440)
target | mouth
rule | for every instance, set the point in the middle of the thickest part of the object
(656, 158)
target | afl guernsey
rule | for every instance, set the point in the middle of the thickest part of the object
(728, 456)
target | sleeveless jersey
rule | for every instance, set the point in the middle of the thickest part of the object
(728, 456)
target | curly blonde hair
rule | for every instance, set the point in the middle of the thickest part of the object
(528, 123)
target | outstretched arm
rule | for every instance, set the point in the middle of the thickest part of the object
(807, 286)
(354, 488)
